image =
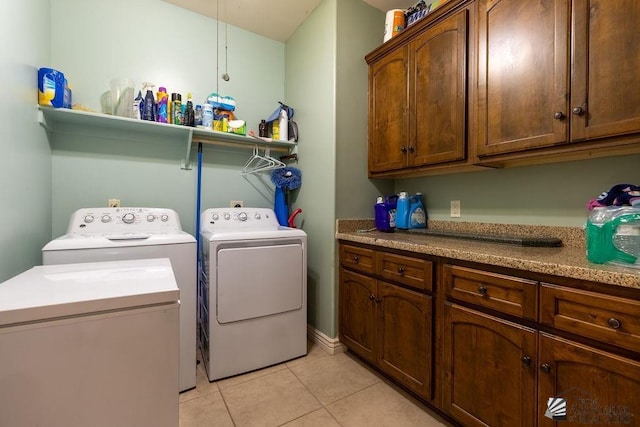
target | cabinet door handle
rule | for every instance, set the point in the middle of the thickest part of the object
(482, 290)
(614, 323)
(411, 149)
(401, 270)
(526, 360)
(356, 259)
(403, 149)
(378, 300)
(545, 367)
(577, 111)
(372, 297)
(558, 115)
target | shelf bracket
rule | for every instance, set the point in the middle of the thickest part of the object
(185, 164)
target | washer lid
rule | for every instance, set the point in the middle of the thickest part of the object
(116, 240)
(56, 291)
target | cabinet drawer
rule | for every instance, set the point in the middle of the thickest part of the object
(357, 258)
(507, 294)
(605, 318)
(414, 272)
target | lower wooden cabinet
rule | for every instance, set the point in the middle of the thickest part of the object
(598, 387)
(389, 325)
(404, 336)
(487, 347)
(490, 370)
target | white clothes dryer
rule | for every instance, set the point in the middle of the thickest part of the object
(91, 344)
(252, 291)
(111, 234)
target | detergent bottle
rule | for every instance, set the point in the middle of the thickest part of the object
(417, 212)
(402, 211)
(382, 216)
(392, 206)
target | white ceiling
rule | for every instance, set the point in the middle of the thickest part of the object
(274, 19)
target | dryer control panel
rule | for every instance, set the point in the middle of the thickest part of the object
(238, 219)
(124, 220)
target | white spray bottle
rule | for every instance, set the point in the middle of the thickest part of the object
(283, 124)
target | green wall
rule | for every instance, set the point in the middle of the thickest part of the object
(553, 194)
(310, 89)
(154, 41)
(25, 157)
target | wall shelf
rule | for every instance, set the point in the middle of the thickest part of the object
(65, 121)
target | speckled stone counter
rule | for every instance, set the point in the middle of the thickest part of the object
(566, 261)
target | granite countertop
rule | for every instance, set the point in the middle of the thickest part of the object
(568, 260)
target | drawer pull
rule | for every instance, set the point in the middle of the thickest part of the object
(614, 323)
(482, 290)
(545, 367)
(401, 270)
(526, 360)
(356, 259)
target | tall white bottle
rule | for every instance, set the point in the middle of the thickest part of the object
(283, 124)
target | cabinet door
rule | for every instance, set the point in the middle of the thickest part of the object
(437, 98)
(522, 75)
(599, 388)
(358, 313)
(489, 368)
(404, 337)
(388, 116)
(606, 59)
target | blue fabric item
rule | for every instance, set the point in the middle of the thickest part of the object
(280, 207)
(276, 114)
(618, 195)
(288, 178)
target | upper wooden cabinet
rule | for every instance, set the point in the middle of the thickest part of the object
(418, 99)
(388, 112)
(556, 72)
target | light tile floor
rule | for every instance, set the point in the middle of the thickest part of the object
(316, 390)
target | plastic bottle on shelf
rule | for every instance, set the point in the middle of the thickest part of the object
(189, 116)
(163, 101)
(283, 125)
(149, 109)
(402, 211)
(262, 129)
(197, 116)
(176, 108)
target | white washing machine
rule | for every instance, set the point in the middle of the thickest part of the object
(252, 291)
(91, 344)
(110, 234)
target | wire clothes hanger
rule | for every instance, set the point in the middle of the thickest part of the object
(264, 163)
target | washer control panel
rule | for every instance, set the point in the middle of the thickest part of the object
(237, 219)
(124, 220)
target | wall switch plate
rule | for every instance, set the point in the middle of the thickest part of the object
(455, 209)
(236, 204)
(113, 203)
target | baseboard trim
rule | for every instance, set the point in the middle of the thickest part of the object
(330, 345)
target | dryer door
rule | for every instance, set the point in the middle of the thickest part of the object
(258, 281)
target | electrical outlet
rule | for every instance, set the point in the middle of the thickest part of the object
(236, 204)
(113, 203)
(455, 209)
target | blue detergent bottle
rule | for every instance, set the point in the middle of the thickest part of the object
(381, 217)
(417, 212)
(392, 206)
(402, 211)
